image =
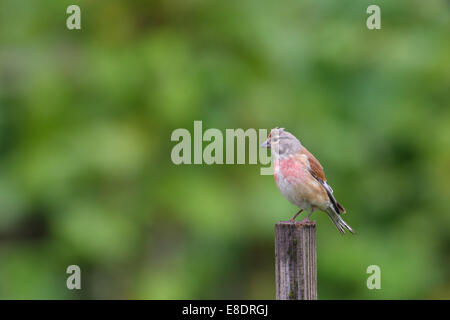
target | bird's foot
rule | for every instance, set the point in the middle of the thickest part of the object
(303, 221)
(295, 216)
(306, 221)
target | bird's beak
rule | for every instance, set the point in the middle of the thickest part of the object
(265, 144)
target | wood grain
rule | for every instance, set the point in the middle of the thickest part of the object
(295, 261)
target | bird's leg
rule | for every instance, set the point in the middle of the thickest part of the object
(293, 218)
(306, 220)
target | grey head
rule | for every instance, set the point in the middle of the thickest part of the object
(281, 142)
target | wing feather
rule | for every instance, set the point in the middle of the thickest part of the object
(316, 170)
(314, 165)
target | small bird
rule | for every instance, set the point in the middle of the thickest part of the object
(301, 180)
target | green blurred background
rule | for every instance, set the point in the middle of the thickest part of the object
(86, 117)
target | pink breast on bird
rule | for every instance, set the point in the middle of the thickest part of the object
(297, 184)
(291, 169)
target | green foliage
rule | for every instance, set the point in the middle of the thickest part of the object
(86, 117)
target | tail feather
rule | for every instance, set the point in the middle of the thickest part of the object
(337, 206)
(337, 220)
(340, 207)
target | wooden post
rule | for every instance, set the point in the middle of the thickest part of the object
(295, 261)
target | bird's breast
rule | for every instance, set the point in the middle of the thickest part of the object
(297, 185)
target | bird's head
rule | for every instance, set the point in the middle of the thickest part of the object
(281, 142)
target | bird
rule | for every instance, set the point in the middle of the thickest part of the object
(301, 180)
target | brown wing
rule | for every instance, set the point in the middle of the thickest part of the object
(315, 166)
(316, 170)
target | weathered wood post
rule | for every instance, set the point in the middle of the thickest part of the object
(295, 260)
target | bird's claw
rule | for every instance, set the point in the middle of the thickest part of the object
(305, 221)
